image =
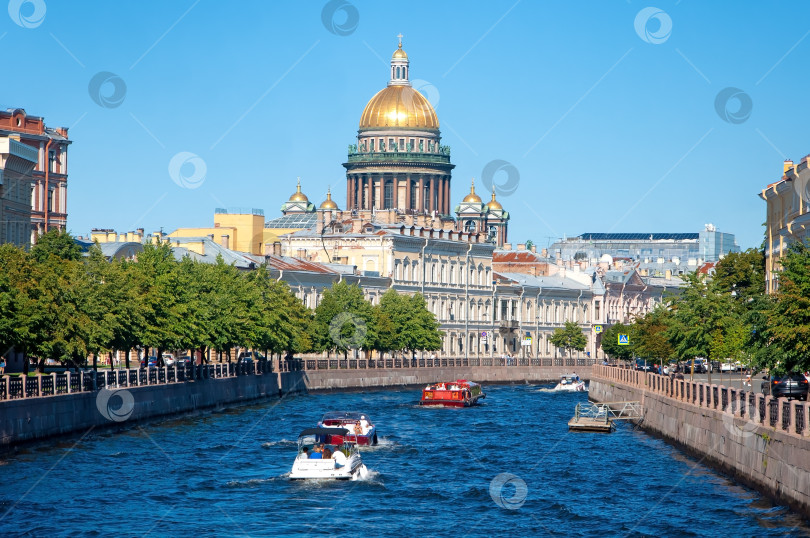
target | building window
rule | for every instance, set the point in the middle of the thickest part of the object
(52, 160)
(389, 195)
(413, 194)
(469, 226)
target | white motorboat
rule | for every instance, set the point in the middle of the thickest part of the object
(570, 383)
(342, 461)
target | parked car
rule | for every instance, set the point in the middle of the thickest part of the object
(790, 386)
(728, 367)
(183, 361)
(249, 356)
(700, 367)
(149, 362)
(168, 359)
(644, 366)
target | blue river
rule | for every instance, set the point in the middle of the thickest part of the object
(505, 468)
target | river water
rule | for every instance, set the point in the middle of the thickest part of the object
(505, 468)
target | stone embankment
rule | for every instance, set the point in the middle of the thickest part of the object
(44, 406)
(761, 441)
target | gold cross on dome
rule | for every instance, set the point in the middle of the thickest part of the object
(400, 39)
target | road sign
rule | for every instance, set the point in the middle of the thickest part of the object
(624, 340)
(483, 334)
(527, 341)
(597, 329)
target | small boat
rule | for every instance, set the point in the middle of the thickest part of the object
(343, 461)
(570, 383)
(362, 431)
(460, 393)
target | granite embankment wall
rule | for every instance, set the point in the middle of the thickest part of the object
(760, 441)
(71, 406)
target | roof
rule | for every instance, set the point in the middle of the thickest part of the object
(545, 282)
(643, 236)
(516, 256)
(212, 249)
(287, 263)
(293, 220)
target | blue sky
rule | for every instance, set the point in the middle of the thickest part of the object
(610, 129)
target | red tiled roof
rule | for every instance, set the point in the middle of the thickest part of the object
(515, 256)
(706, 267)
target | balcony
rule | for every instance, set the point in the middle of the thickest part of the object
(400, 157)
(16, 148)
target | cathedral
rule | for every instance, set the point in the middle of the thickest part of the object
(399, 167)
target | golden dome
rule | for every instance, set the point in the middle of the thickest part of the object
(494, 204)
(472, 197)
(399, 53)
(399, 106)
(299, 196)
(329, 203)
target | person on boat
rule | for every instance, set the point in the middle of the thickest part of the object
(316, 453)
(304, 454)
(339, 457)
(358, 429)
(327, 453)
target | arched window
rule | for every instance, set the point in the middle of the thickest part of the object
(469, 226)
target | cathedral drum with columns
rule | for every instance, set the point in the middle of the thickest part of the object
(398, 161)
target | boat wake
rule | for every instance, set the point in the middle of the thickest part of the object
(555, 391)
(283, 442)
(252, 483)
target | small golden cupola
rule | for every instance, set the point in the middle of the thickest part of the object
(329, 203)
(299, 196)
(494, 204)
(472, 197)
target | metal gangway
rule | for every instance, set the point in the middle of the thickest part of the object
(599, 417)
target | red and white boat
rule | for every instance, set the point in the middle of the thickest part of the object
(460, 393)
(361, 431)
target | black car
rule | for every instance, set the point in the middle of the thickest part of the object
(183, 361)
(700, 367)
(790, 386)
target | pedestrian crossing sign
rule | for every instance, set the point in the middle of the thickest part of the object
(624, 340)
(597, 329)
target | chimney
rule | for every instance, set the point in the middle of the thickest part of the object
(544, 253)
(534, 249)
(225, 241)
(668, 274)
(521, 246)
(277, 248)
(507, 246)
(787, 166)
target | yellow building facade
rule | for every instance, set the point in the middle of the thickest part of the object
(787, 216)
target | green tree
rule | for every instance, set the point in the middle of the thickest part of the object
(342, 320)
(788, 327)
(56, 243)
(650, 332)
(414, 327)
(610, 342)
(569, 338)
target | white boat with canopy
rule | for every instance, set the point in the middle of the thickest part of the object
(320, 458)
